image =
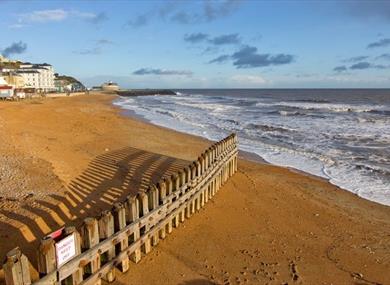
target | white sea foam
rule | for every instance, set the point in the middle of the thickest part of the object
(344, 143)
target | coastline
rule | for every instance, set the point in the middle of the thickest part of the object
(268, 224)
(245, 155)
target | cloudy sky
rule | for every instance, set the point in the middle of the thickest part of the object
(204, 44)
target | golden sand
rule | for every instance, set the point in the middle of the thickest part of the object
(65, 159)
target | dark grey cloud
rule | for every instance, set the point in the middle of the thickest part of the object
(380, 43)
(158, 71)
(361, 65)
(220, 59)
(218, 9)
(369, 9)
(98, 18)
(341, 68)
(196, 37)
(139, 21)
(248, 57)
(15, 48)
(366, 65)
(211, 50)
(226, 39)
(182, 12)
(185, 18)
(356, 58)
(385, 56)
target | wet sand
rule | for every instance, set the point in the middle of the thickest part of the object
(67, 158)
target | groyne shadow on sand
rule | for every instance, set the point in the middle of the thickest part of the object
(110, 177)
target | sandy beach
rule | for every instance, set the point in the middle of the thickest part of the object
(63, 159)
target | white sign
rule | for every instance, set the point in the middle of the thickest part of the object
(65, 250)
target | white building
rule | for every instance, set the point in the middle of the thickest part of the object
(38, 76)
(6, 91)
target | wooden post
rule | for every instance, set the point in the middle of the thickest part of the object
(77, 276)
(207, 193)
(169, 183)
(153, 199)
(201, 165)
(132, 215)
(212, 152)
(176, 183)
(202, 196)
(182, 175)
(162, 196)
(46, 256)
(89, 238)
(16, 269)
(144, 209)
(106, 229)
(197, 201)
(183, 181)
(187, 170)
(198, 168)
(193, 202)
(193, 171)
(119, 213)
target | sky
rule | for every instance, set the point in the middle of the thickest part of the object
(205, 43)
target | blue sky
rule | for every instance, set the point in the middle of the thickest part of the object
(204, 44)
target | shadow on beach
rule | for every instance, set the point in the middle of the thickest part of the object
(109, 178)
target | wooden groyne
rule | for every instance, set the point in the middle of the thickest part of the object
(115, 238)
(144, 92)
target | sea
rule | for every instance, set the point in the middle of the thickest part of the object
(342, 135)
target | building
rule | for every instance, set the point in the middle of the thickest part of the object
(6, 90)
(14, 79)
(65, 83)
(38, 76)
(110, 86)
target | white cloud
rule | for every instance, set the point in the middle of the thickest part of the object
(56, 15)
(42, 16)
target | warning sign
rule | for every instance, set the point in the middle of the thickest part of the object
(65, 250)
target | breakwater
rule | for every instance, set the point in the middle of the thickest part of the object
(130, 229)
(144, 92)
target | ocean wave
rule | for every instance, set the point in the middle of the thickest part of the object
(374, 169)
(267, 128)
(377, 109)
(350, 149)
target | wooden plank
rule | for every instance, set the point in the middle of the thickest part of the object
(16, 269)
(144, 210)
(46, 256)
(89, 239)
(119, 213)
(132, 216)
(153, 200)
(106, 230)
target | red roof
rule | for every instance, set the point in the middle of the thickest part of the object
(5, 87)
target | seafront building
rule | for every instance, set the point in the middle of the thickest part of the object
(6, 90)
(14, 79)
(38, 76)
